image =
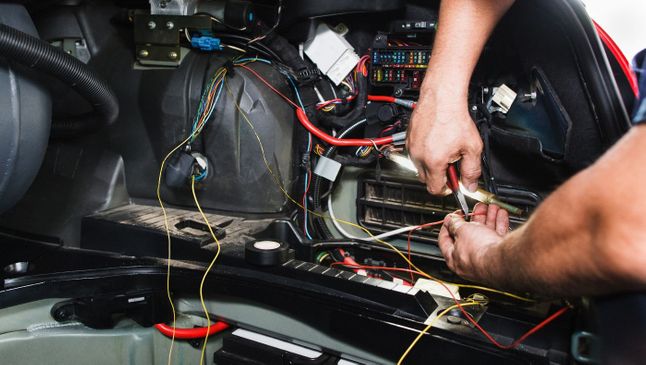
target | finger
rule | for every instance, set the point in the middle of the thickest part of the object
(502, 222)
(479, 213)
(492, 212)
(446, 243)
(470, 169)
(421, 173)
(436, 175)
(453, 222)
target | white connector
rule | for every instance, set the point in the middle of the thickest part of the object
(504, 97)
(331, 53)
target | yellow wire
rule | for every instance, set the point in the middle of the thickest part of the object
(208, 269)
(161, 204)
(168, 237)
(391, 247)
(419, 336)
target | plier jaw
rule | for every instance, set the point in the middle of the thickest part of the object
(454, 185)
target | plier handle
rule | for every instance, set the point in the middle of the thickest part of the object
(454, 185)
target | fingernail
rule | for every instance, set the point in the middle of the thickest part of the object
(473, 187)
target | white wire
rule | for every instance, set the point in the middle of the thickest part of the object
(345, 233)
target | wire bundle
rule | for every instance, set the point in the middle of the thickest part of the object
(209, 99)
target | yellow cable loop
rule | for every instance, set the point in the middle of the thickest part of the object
(425, 330)
(208, 269)
(391, 247)
(167, 227)
(161, 204)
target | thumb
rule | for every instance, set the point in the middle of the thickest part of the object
(453, 222)
(470, 169)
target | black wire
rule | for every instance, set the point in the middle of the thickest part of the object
(273, 28)
(317, 182)
(243, 41)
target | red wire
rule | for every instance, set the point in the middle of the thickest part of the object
(381, 98)
(513, 345)
(410, 233)
(270, 86)
(302, 117)
(341, 142)
(191, 333)
(619, 56)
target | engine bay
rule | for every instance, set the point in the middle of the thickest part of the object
(246, 161)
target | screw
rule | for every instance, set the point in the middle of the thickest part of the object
(170, 25)
(143, 53)
(172, 55)
(474, 107)
(152, 25)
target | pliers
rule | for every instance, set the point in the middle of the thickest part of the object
(454, 185)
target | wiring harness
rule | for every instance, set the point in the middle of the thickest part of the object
(328, 125)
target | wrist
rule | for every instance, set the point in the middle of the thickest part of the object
(443, 87)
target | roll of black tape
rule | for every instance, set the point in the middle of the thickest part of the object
(268, 253)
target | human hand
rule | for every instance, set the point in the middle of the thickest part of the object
(442, 132)
(464, 244)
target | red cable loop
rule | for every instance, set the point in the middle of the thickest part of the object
(339, 142)
(619, 56)
(191, 333)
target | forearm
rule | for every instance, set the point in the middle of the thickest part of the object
(464, 27)
(588, 237)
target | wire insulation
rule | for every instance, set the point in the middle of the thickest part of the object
(425, 330)
(191, 333)
(279, 184)
(208, 269)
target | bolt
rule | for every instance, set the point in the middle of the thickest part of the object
(143, 53)
(172, 55)
(61, 315)
(170, 25)
(152, 25)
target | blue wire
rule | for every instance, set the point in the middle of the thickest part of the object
(200, 109)
(252, 59)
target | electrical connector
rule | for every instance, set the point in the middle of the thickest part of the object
(206, 43)
(331, 53)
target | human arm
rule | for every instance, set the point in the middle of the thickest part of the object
(588, 237)
(441, 130)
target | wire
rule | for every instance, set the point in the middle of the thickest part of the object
(381, 236)
(304, 120)
(425, 330)
(167, 227)
(191, 333)
(388, 245)
(487, 335)
(208, 269)
(278, 14)
(234, 48)
(308, 175)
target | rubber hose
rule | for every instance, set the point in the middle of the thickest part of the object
(316, 187)
(39, 55)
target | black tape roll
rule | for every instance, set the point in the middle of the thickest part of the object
(267, 253)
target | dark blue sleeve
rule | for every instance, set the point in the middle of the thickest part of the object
(640, 113)
(639, 66)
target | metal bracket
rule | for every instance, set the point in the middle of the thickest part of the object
(157, 37)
